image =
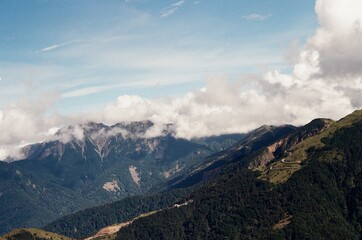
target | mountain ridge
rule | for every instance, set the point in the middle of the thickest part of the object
(238, 204)
(327, 178)
(93, 166)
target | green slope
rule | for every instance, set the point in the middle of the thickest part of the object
(87, 222)
(279, 171)
(322, 200)
(211, 166)
(32, 234)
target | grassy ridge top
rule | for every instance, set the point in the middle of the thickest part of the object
(32, 233)
(280, 170)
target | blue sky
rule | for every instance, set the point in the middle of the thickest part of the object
(88, 52)
(208, 67)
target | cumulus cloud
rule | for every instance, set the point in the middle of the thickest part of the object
(227, 107)
(339, 37)
(325, 81)
(22, 123)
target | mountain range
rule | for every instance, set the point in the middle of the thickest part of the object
(90, 164)
(306, 185)
(276, 182)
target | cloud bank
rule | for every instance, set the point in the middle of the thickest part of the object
(326, 81)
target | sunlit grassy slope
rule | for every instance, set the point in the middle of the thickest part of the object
(280, 170)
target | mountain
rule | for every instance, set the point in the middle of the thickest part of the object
(85, 223)
(275, 183)
(91, 164)
(309, 187)
(251, 143)
(80, 225)
(32, 234)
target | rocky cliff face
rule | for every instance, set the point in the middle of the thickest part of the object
(252, 143)
(282, 146)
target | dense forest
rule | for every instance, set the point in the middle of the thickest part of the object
(323, 200)
(87, 222)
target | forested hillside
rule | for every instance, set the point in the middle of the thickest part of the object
(67, 173)
(305, 184)
(87, 222)
(322, 200)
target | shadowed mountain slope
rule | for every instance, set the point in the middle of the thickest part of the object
(91, 164)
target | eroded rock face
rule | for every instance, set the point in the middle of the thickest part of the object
(111, 186)
(134, 174)
(282, 147)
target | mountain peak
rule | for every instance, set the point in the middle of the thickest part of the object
(139, 127)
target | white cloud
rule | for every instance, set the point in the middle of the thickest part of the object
(326, 81)
(46, 49)
(68, 134)
(312, 90)
(172, 8)
(86, 91)
(339, 37)
(225, 108)
(56, 46)
(24, 122)
(53, 47)
(256, 17)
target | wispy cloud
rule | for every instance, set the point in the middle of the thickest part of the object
(85, 91)
(98, 89)
(171, 9)
(56, 46)
(257, 17)
(137, 83)
(52, 47)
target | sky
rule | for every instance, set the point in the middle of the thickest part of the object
(209, 67)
